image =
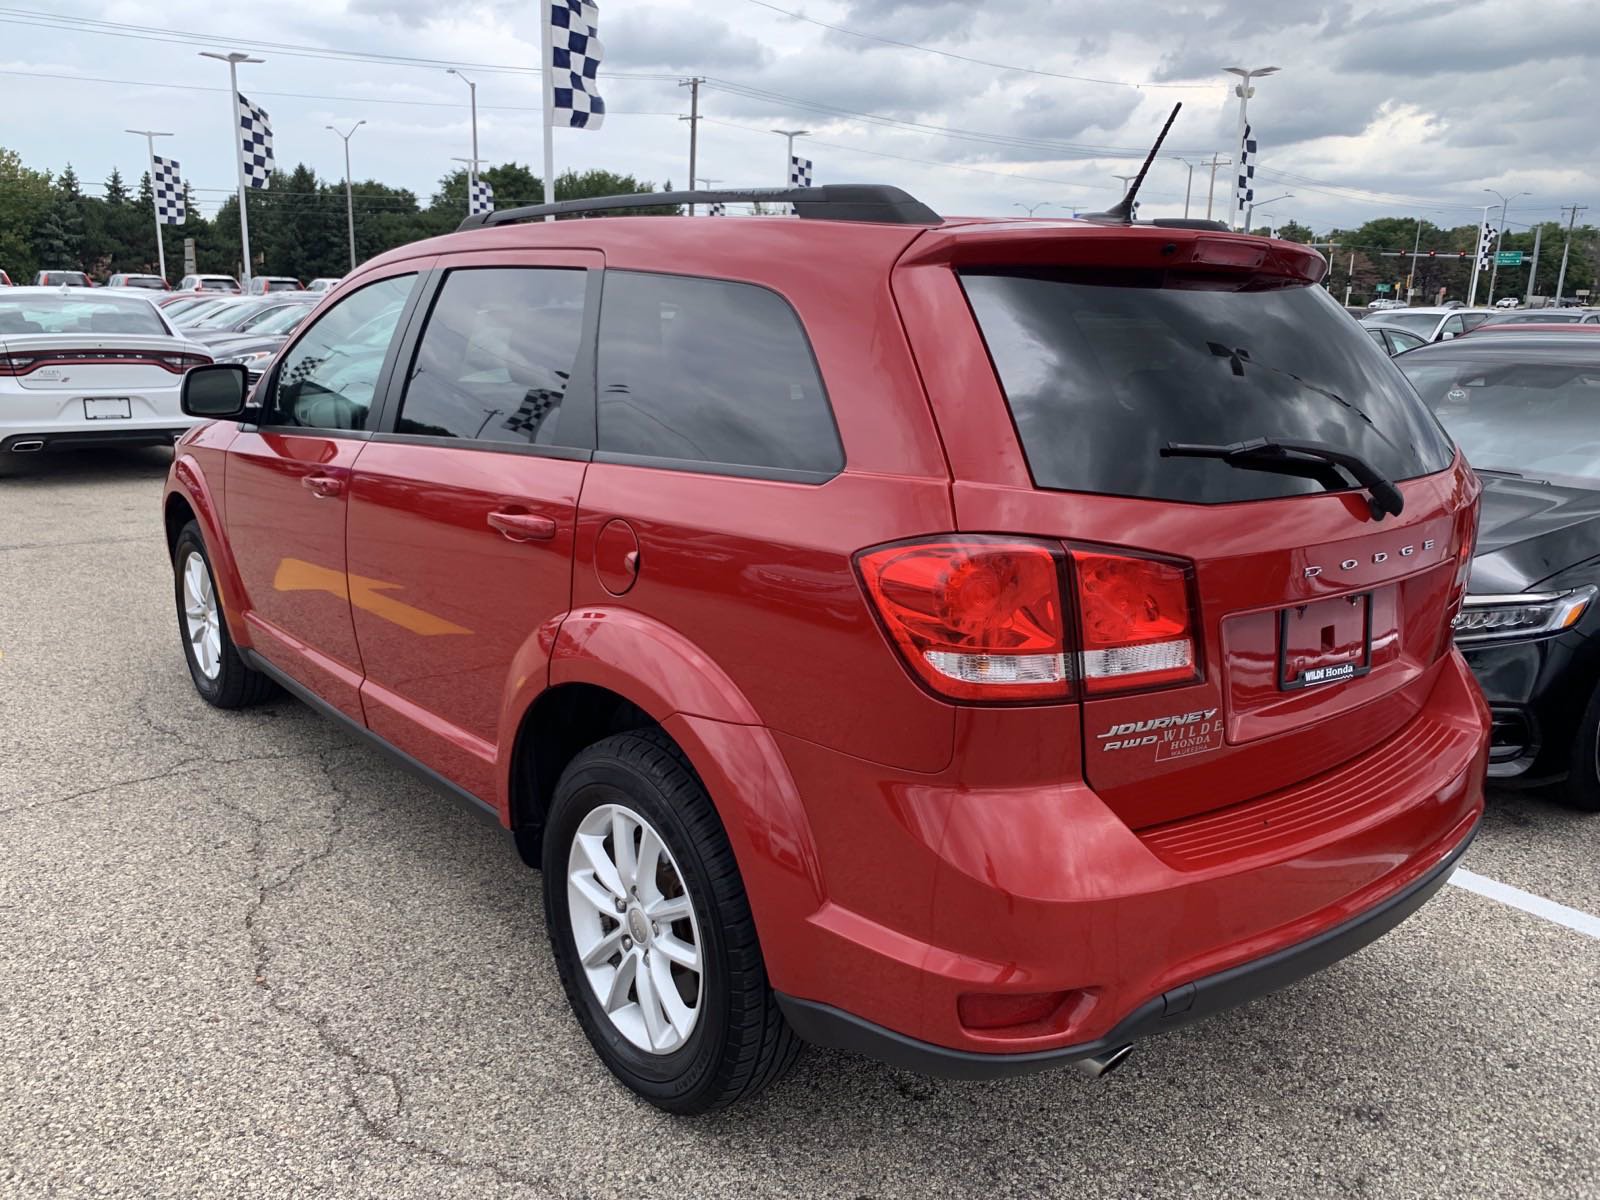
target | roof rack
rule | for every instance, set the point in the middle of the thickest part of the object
(870, 202)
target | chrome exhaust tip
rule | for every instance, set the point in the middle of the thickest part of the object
(1104, 1063)
(26, 447)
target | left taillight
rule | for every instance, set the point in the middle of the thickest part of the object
(976, 618)
(16, 364)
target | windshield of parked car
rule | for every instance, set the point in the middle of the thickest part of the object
(191, 316)
(281, 320)
(1101, 376)
(1535, 416)
(226, 314)
(1422, 323)
(77, 314)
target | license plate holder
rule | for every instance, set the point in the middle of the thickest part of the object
(107, 408)
(1325, 642)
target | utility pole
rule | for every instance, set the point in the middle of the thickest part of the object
(1566, 246)
(349, 204)
(693, 84)
(472, 88)
(1533, 271)
(1211, 194)
(150, 136)
(1411, 277)
(233, 58)
(1350, 279)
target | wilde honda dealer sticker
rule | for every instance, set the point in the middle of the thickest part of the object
(1176, 736)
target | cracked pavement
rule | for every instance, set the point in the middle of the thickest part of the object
(243, 955)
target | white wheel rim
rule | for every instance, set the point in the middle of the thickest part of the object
(634, 927)
(201, 621)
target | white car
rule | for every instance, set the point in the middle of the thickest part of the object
(324, 284)
(1430, 324)
(208, 283)
(1507, 302)
(1382, 303)
(82, 368)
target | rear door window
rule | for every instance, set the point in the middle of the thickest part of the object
(496, 356)
(1101, 375)
(709, 371)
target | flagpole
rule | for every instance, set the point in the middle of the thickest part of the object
(150, 136)
(1477, 257)
(233, 59)
(547, 35)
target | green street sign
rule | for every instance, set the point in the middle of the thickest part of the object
(1382, 287)
(1509, 258)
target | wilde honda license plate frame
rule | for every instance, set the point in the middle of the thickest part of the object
(1323, 674)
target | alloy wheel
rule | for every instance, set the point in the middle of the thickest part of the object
(202, 622)
(634, 929)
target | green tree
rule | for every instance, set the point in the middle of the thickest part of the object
(116, 190)
(1293, 231)
(51, 249)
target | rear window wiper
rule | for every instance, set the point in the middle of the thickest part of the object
(1309, 460)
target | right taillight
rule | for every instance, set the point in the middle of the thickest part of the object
(1137, 621)
(983, 618)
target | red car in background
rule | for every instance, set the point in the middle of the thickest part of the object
(982, 644)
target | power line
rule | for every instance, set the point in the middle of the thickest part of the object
(155, 33)
(872, 37)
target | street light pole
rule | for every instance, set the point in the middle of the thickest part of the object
(1250, 212)
(472, 89)
(1244, 91)
(1561, 278)
(1030, 209)
(349, 204)
(1211, 194)
(1499, 237)
(1188, 188)
(789, 136)
(1411, 278)
(150, 136)
(233, 58)
(704, 182)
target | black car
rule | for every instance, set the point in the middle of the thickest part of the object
(1525, 409)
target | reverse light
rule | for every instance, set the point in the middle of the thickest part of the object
(1137, 618)
(1523, 615)
(977, 618)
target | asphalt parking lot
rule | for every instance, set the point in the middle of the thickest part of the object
(242, 954)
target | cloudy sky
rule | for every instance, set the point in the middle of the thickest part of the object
(1380, 108)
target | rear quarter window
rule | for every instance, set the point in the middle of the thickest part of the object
(710, 371)
(1101, 372)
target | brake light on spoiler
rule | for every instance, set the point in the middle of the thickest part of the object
(986, 618)
(23, 363)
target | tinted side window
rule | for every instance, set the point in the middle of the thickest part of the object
(496, 355)
(710, 371)
(327, 379)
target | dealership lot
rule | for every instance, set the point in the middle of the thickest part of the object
(244, 954)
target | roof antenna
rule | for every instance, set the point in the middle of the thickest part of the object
(1122, 211)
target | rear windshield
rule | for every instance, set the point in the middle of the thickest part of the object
(63, 314)
(1100, 376)
(1422, 323)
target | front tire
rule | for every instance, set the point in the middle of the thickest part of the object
(219, 673)
(1582, 788)
(652, 931)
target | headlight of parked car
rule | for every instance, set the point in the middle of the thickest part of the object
(1528, 614)
(253, 361)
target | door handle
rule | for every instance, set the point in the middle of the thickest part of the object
(523, 527)
(322, 485)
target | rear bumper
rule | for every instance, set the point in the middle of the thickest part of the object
(88, 438)
(823, 1025)
(1003, 877)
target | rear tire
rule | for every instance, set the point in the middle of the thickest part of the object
(733, 1041)
(220, 674)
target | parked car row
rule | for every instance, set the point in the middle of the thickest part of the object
(259, 284)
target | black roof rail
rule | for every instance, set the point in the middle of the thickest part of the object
(870, 202)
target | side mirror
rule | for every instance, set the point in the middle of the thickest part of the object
(215, 390)
(1446, 336)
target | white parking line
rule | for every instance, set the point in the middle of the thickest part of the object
(1572, 918)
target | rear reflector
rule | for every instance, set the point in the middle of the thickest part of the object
(1137, 619)
(976, 618)
(1003, 1010)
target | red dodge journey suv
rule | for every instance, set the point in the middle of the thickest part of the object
(980, 644)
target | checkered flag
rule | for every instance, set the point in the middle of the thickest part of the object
(168, 189)
(537, 404)
(1245, 189)
(575, 52)
(255, 143)
(480, 198)
(719, 210)
(1486, 246)
(799, 171)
